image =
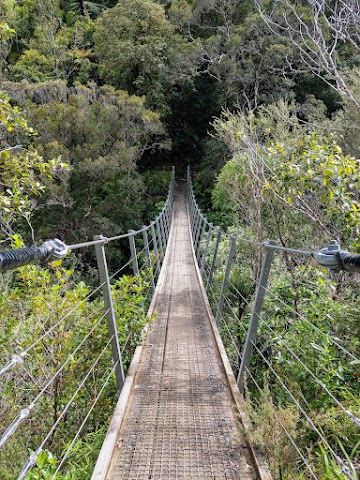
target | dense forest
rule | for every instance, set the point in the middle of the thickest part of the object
(99, 99)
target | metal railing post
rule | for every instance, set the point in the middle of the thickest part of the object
(196, 228)
(191, 205)
(162, 232)
(194, 220)
(167, 217)
(153, 234)
(147, 253)
(255, 315)
(201, 236)
(110, 312)
(205, 252)
(159, 236)
(134, 261)
(191, 213)
(167, 223)
(197, 231)
(226, 278)
(213, 263)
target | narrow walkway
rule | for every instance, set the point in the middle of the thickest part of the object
(180, 421)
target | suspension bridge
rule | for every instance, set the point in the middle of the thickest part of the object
(180, 413)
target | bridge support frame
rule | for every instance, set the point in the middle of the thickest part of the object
(206, 249)
(148, 257)
(110, 312)
(156, 250)
(213, 263)
(226, 278)
(134, 260)
(255, 315)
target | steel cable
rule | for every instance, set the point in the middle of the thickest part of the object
(34, 456)
(328, 337)
(350, 415)
(25, 352)
(84, 421)
(286, 431)
(308, 419)
(25, 413)
(123, 235)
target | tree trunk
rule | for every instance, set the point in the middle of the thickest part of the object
(81, 7)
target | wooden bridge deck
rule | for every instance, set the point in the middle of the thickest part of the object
(180, 421)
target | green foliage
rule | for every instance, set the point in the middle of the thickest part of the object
(34, 301)
(102, 134)
(141, 52)
(332, 470)
(80, 463)
(269, 424)
(24, 172)
(282, 171)
(312, 175)
(281, 174)
(6, 32)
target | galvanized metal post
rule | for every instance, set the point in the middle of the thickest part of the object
(191, 204)
(194, 220)
(134, 260)
(156, 251)
(147, 253)
(191, 210)
(164, 226)
(110, 312)
(205, 252)
(196, 228)
(159, 236)
(162, 232)
(167, 217)
(226, 278)
(255, 315)
(201, 236)
(197, 232)
(213, 263)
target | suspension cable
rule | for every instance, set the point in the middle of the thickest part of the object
(325, 335)
(25, 413)
(308, 419)
(34, 456)
(352, 417)
(285, 430)
(18, 358)
(84, 421)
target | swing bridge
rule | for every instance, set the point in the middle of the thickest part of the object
(178, 407)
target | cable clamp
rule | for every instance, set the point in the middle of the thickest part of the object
(56, 249)
(329, 257)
